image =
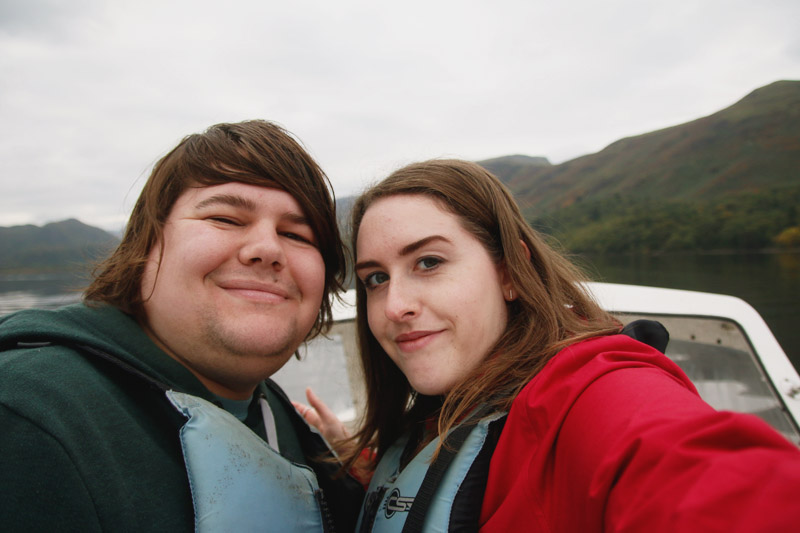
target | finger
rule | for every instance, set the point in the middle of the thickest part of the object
(313, 419)
(301, 407)
(329, 424)
(322, 408)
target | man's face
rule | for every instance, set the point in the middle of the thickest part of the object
(239, 286)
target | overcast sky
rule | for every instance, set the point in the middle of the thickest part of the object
(93, 92)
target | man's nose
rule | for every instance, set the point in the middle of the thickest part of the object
(263, 245)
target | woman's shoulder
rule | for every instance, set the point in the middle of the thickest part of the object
(609, 353)
(577, 366)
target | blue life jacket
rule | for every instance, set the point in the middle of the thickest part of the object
(239, 482)
(395, 501)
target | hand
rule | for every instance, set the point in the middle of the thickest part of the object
(321, 417)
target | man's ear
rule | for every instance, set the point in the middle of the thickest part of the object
(152, 267)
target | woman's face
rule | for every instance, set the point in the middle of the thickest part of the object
(436, 301)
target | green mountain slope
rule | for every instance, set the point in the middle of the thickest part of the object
(64, 245)
(728, 180)
(753, 145)
(509, 168)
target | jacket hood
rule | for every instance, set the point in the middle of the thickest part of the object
(103, 328)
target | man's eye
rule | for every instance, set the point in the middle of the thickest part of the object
(376, 278)
(224, 220)
(297, 237)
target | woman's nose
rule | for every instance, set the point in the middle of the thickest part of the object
(401, 302)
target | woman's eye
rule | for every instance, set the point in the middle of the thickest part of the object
(373, 280)
(427, 263)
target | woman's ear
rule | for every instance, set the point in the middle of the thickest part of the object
(509, 295)
(505, 278)
(525, 247)
(505, 283)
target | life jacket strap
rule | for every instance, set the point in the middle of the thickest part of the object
(448, 451)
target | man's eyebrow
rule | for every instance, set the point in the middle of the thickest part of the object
(297, 218)
(407, 249)
(232, 200)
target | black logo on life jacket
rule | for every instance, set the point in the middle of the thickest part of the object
(397, 504)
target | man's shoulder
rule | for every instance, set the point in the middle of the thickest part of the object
(76, 323)
(35, 370)
(74, 334)
(44, 351)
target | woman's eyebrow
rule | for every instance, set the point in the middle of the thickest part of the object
(366, 264)
(406, 250)
(416, 245)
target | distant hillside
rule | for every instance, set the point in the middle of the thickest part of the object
(65, 245)
(727, 181)
(753, 145)
(343, 207)
(730, 180)
(510, 167)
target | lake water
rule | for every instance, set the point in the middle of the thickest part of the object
(47, 291)
(768, 282)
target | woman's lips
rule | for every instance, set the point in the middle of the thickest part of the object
(415, 340)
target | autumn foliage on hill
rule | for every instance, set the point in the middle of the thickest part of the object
(726, 181)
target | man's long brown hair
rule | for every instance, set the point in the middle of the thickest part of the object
(254, 152)
(551, 311)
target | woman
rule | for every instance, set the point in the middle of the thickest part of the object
(501, 397)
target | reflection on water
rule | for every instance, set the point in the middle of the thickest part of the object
(18, 300)
(789, 264)
(45, 291)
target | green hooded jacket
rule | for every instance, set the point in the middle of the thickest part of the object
(88, 440)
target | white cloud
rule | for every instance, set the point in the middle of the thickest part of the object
(93, 94)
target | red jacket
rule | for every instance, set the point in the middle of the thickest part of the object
(612, 436)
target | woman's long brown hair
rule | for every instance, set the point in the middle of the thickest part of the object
(551, 311)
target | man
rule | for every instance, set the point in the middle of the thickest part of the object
(111, 410)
